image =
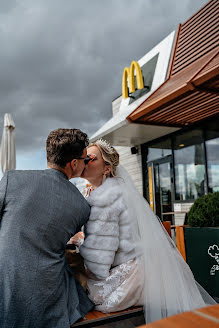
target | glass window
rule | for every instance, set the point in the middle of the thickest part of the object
(159, 150)
(212, 150)
(190, 180)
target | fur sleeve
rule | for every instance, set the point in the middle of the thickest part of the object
(102, 229)
(99, 248)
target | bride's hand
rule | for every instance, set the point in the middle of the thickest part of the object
(89, 274)
(77, 239)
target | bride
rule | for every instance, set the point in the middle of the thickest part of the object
(130, 259)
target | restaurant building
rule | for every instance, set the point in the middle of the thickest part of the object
(166, 127)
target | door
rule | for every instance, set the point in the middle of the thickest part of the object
(163, 187)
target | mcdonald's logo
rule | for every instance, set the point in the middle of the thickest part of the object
(129, 73)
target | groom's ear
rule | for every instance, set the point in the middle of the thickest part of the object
(73, 164)
(72, 167)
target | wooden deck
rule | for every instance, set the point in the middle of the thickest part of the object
(207, 317)
(129, 318)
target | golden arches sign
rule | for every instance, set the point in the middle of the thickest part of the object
(129, 73)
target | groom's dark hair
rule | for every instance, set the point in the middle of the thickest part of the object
(63, 145)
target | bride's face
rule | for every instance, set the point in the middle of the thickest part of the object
(95, 169)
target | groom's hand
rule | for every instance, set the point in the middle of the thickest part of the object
(77, 239)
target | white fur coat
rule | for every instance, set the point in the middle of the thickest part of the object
(108, 241)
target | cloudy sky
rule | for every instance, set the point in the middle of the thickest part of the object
(61, 61)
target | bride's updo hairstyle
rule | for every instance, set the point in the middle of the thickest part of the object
(109, 154)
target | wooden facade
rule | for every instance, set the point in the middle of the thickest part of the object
(197, 37)
(190, 93)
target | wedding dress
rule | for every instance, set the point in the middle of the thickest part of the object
(122, 289)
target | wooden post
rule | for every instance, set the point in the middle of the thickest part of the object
(167, 226)
(180, 241)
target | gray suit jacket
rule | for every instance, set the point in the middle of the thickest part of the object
(39, 212)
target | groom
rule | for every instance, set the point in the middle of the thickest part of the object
(39, 212)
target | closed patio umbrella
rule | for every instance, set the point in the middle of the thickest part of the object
(8, 153)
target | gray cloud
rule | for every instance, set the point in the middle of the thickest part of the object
(61, 62)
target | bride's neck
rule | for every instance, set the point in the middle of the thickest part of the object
(96, 183)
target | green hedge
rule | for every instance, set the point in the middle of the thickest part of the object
(205, 211)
